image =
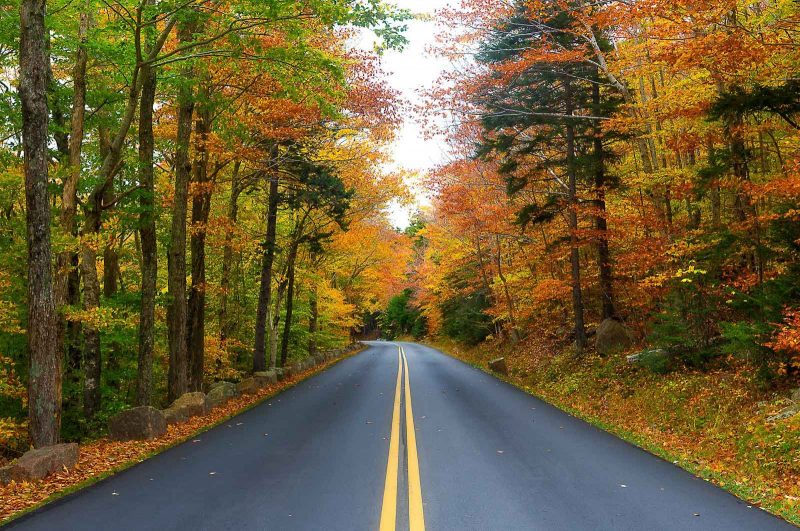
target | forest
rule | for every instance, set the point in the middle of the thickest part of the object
(196, 190)
(183, 187)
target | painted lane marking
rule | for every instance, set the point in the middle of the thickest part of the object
(416, 515)
(389, 506)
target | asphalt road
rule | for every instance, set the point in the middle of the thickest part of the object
(320, 456)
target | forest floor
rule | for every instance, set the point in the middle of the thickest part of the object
(712, 423)
(104, 457)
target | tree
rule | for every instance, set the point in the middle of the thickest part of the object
(44, 388)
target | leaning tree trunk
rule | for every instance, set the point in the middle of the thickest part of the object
(178, 374)
(147, 235)
(44, 386)
(201, 207)
(265, 290)
(601, 223)
(575, 263)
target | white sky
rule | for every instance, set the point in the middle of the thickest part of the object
(410, 71)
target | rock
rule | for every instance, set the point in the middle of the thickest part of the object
(319, 359)
(247, 386)
(613, 336)
(143, 422)
(188, 405)
(634, 358)
(785, 413)
(795, 396)
(220, 393)
(265, 378)
(499, 366)
(40, 463)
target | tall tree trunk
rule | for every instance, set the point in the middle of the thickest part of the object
(178, 377)
(67, 281)
(44, 386)
(147, 234)
(265, 290)
(227, 254)
(575, 263)
(601, 224)
(313, 321)
(201, 207)
(509, 300)
(287, 324)
(91, 301)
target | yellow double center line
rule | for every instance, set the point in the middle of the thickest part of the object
(416, 517)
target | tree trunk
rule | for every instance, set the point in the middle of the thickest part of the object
(201, 206)
(44, 386)
(509, 300)
(601, 224)
(577, 297)
(227, 254)
(265, 290)
(178, 377)
(91, 301)
(147, 233)
(313, 321)
(287, 324)
(67, 281)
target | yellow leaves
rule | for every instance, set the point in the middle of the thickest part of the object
(100, 318)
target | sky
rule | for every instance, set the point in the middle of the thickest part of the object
(410, 71)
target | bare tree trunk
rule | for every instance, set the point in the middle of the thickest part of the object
(577, 297)
(265, 290)
(91, 301)
(201, 207)
(67, 281)
(601, 224)
(313, 321)
(147, 232)
(287, 325)
(44, 386)
(509, 300)
(227, 254)
(178, 377)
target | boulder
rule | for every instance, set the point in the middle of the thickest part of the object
(785, 413)
(188, 405)
(613, 336)
(265, 378)
(499, 366)
(220, 393)
(40, 463)
(142, 422)
(247, 386)
(284, 373)
(795, 396)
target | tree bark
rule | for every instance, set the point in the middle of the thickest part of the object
(201, 207)
(44, 386)
(287, 324)
(313, 321)
(227, 254)
(147, 234)
(67, 281)
(575, 263)
(91, 301)
(265, 290)
(601, 224)
(178, 377)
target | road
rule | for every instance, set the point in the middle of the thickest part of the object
(335, 453)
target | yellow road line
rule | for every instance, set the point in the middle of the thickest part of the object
(389, 507)
(416, 516)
